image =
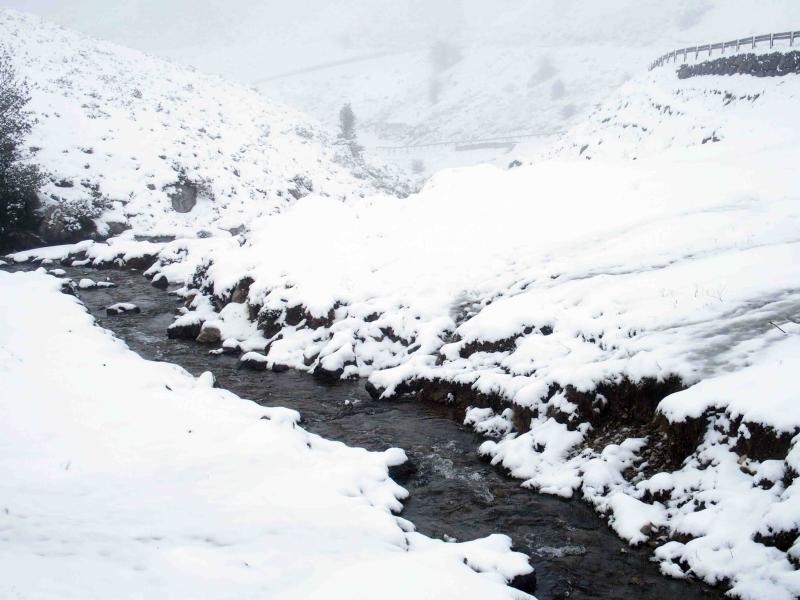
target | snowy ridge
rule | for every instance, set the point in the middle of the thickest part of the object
(121, 132)
(129, 478)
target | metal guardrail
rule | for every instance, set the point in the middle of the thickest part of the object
(750, 42)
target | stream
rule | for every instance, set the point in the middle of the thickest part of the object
(454, 494)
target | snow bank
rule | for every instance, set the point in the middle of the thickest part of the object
(128, 478)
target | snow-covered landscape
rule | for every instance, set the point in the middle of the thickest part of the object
(614, 309)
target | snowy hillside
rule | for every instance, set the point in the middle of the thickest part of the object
(624, 326)
(132, 141)
(516, 67)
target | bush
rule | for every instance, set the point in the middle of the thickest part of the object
(19, 181)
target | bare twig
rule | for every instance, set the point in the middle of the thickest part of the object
(777, 327)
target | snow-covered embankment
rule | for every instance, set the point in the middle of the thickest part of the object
(127, 478)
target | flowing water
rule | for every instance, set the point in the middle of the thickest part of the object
(453, 493)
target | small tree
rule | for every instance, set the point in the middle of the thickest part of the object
(347, 123)
(443, 55)
(19, 182)
(347, 131)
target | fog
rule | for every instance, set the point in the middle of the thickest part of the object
(253, 39)
(421, 70)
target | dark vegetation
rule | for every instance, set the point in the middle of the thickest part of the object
(19, 180)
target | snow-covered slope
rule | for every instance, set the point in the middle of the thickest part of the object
(126, 478)
(122, 133)
(566, 299)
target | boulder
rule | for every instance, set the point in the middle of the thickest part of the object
(183, 194)
(121, 308)
(209, 334)
(160, 281)
(188, 331)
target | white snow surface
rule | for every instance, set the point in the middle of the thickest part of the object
(127, 478)
(116, 129)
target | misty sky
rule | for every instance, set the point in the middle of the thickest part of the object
(526, 65)
(248, 39)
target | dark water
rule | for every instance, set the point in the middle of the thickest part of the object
(453, 493)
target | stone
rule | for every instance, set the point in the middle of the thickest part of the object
(184, 332)
(160, 281)
(525, 583)
(209, 334)
(402, 473)
(183, 194)
(121, 308)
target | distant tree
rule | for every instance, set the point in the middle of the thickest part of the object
(347, 123)
(19, 182)
(443, 55)
(347, 131)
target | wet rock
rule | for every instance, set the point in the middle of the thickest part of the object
(68, 287)
(184, 332)
(324, 375)
(253, 362)
(404, 472)
(280, 368)
(141, 263)
(525, 583)
(121, 308)
(160, 281)
(90, 284)
(374, 391)
(209, 334)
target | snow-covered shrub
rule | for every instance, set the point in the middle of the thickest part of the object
(19, 180)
